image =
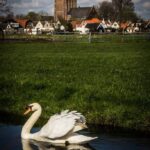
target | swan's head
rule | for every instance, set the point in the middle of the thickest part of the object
(32, 107)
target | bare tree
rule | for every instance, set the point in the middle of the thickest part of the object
(106, 10)
(119, 10)
(5, 9)
(124, 9)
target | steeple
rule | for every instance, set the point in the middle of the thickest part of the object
(62, 7)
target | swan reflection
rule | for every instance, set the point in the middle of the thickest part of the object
(35, 145)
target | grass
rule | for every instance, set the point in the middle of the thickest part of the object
(76, 37)
(108, 82)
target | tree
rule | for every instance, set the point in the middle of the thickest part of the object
(33, 16)
(119, 10)
(69, 27)
(5, 9)
(124, 10)
(20, 16)
(36, 16)
(43, 13)
(106, 10)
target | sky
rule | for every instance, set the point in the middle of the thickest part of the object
(142, 7)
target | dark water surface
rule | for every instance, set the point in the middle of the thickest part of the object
(10, 140)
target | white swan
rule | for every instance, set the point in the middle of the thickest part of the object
(60, 128)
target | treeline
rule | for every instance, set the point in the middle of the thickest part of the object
(118, 10)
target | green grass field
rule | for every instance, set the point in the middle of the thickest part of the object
(108, 82)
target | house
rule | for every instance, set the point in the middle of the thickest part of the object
(115, 26)
(43, 27)
(102, 26)
(48, 26)
(76, 23)
(25, 23)
(82, 13)
(124, 26)
(89, 25)
(10, 26)
(39, 25)
(82, 30)
(105, 26)
(147, 25)
(132, 27)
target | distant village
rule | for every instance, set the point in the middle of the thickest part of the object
(70, 18)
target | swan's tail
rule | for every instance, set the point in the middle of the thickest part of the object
(72, 139)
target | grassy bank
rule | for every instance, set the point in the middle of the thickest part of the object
(108, 82)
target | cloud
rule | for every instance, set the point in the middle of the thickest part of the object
(31, 4)
(136, 1)
(89, 2)
(142, 7)
(146, 5)
(25, 6)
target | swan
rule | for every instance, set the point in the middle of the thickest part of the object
(60, 128)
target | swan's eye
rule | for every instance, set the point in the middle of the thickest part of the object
(26, 107)
(29, 107)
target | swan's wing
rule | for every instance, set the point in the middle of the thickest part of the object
(60, 125)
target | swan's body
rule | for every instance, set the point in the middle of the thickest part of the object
(59, 129)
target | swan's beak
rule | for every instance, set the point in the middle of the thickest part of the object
(27, 111)
(84, 126)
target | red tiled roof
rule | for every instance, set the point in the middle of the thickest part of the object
(22, 22)
(124, 25)
(93, 20)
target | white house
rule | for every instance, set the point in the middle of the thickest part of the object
(115, 25)
(105, 26)
(39, 25)
(42, 26)
(48, 26)
(82, 30)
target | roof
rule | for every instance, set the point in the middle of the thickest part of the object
(93, 20)
(124, 25)
(75, 23)
(80, 12)
(22, 22)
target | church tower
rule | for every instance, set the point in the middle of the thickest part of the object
(62, 7)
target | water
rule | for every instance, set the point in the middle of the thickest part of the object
(10, 140)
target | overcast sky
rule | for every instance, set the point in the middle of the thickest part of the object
(142, 7)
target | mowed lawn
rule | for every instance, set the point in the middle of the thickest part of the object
(108, 82)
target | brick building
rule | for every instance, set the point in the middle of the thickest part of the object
(62, 7)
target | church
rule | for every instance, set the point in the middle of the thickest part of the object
(62, 7)
(68, 10)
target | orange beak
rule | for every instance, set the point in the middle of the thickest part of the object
(27, 111)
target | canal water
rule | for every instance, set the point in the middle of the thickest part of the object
(10, 140)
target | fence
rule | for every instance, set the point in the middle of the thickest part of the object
(95, 37)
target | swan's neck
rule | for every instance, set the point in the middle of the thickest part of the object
(25, 134)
